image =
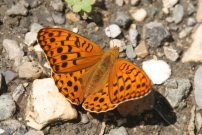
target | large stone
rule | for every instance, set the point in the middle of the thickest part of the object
(46, 105)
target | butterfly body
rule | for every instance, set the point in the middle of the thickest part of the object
(86, 75)
(96, 76)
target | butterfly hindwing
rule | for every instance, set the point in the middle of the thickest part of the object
(68, 51)
(127, 82)
(99, 101)
(69, 85)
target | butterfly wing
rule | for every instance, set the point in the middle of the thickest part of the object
(99, 102)
(127, 82)
(70, 86)
(68, 51)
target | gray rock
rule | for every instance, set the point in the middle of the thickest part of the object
(34, 3)
(133, 34)
(191, 9)
(122, 19)
(130, 52)
(17, 93)
(7, 107)
(58, 18)
(119, 131)
(30, 70)
(57, 5)
(176, 91)
(191, 21)
(178, 13)
(19, 9)
(44, 17)
(9, 76)
(154, 34)
(13, 127)
(198, 87)
(12, 48)
(171, 53)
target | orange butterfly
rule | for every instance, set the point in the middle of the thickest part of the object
(85, 74)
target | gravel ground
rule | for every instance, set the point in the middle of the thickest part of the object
(163, 37)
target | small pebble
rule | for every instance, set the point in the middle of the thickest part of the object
(7, 107)
(138, 14)
(30, 70)
(191, 8)
(35, 27)
(122, 19)
(176, 91)
(19, 9)
(84, 118)
(58, 18)
(141, 50)
(119, 2)
(57, 5)
(134, 2)
(171, 53)
(178, 13)
(34, 3)
(118, 131)
(130, 53)
(198, 87)
(17, 93)
(133, 34)
(167, 4)
(13, 49)
(185, 32)
(112, 31)
(73, 17)
(154, 34)
(117, 43)
(30, 38)
(191, 21)
(157, 70)
(9, 76)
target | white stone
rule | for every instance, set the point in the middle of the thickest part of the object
(30, 38)
(13, 49)
(168, 4)
(134, 2)
(119, 2)
(117, 43)
(46, 105)
(113, 31)
(35, 27)
(139, 14)
(38, 48)
(157, 70)
(2, 131)
(194, 53)
(30, 70)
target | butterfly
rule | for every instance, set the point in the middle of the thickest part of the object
(87, 75)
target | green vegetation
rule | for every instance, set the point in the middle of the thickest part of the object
(81, 5)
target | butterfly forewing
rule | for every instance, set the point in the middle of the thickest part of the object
(68, 51)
